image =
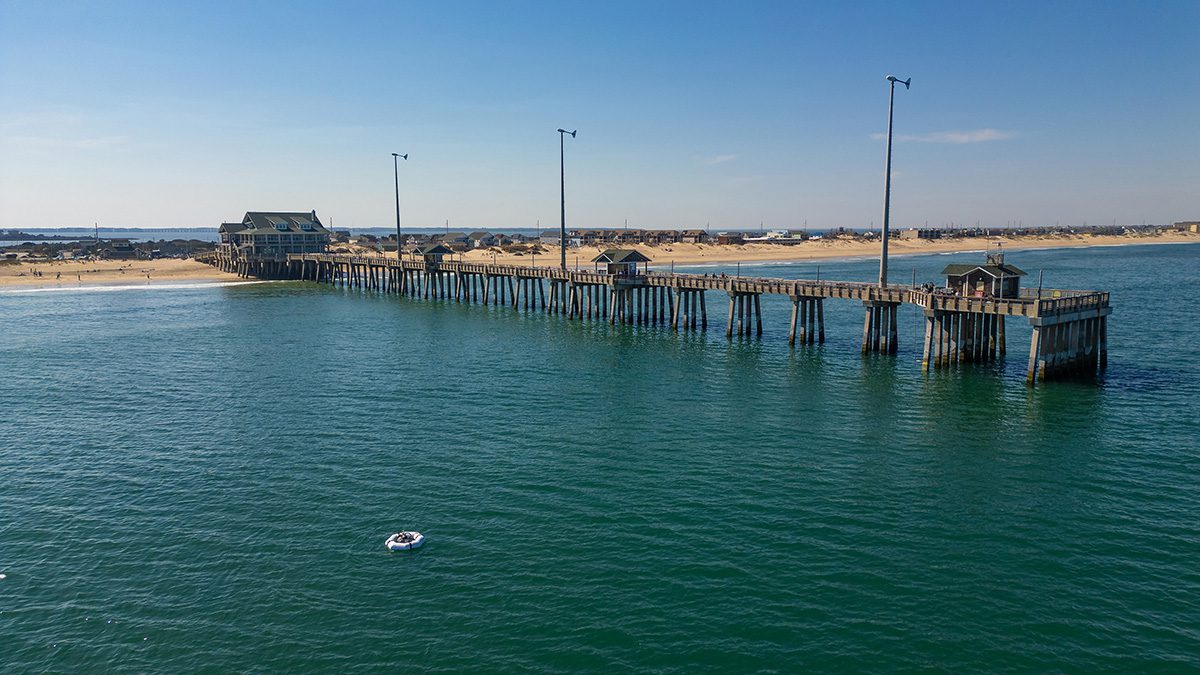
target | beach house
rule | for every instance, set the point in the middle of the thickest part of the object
(273, 234)
(433, 253)
(920, 233)
(119, 249)
(481, 239)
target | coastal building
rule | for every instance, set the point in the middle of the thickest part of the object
(634, 236)
(273, 234)
(620, 261)
(550, 238)
(432, 253)
(662, 236)
(119, 249)
(694, 237)
(995, 278)
(455, 239)
(481, 239)
(1192, 226)
(588, 237)
(921, 233)
(730, 239)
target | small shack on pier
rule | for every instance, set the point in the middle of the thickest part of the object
(432, 253)
(620, 261)
(994, 279)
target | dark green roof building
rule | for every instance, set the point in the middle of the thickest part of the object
(620, 261)
(995, 278)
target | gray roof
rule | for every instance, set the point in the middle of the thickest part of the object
(620, 255)
(433, 249)
(1006, 270)
(268, 222)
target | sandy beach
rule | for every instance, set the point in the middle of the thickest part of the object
(73, 274)
(692, 254)
(67, 274)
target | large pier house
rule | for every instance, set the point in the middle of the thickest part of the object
(275, 233)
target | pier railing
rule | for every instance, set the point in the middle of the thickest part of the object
(1069, 327)
(1031, 302)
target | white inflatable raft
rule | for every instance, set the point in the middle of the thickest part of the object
(405, 541)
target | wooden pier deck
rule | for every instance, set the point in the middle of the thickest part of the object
(1069, 336)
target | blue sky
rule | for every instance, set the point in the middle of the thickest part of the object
(689, 113)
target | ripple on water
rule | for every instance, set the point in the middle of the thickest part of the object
(207, 475)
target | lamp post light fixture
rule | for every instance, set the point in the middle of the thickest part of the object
(887, 177)
(562, 181)
(396, 157)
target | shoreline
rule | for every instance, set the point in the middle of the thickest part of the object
(813, 251)
(182, 273)
(71, 274)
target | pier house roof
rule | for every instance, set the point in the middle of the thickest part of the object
(620, 255)
(1003, 269)
(433, 249)
(274, 222)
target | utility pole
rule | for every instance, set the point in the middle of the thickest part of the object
(887, 177)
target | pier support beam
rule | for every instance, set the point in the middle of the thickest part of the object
(880, 327)
(1068, 344)
(808, 320)
(748, 308)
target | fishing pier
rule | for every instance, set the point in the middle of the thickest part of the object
(1069, 328)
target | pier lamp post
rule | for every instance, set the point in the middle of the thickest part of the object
(396, 171)
(562, 181)
(887, 176)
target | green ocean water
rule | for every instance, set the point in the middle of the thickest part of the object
(201, 479)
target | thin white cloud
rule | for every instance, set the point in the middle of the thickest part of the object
(954, 137)
(99, 143)
(720, 159)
